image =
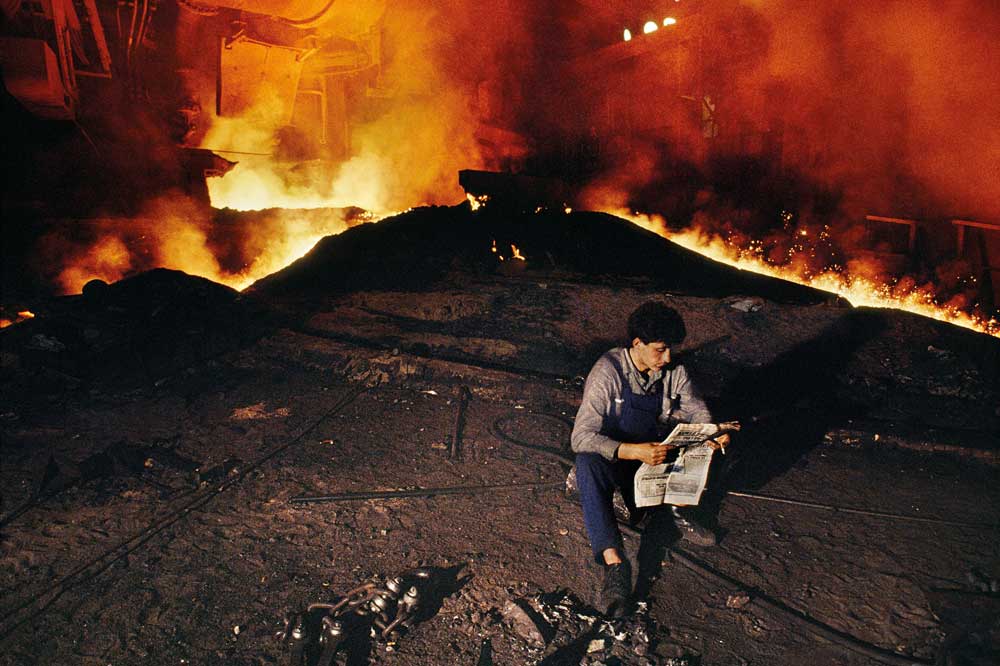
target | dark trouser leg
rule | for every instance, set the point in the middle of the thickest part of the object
(596, 479)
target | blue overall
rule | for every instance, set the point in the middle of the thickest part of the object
(597, 477)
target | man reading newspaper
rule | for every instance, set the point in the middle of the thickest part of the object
(632, 397)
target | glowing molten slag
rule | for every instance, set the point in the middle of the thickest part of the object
(858, 291)
(477, 201)
(515, 252)
(21, 316)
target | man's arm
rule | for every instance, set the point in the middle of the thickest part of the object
(595, 408)
(598, 401)
(691, 407)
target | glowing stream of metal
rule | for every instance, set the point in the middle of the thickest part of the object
(856, 290)
(859, 292)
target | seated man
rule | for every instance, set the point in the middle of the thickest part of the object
(632, 397)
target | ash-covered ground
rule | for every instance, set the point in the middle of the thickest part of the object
(154, 431)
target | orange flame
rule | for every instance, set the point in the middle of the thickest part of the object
(859, 291)
(477, 202)
(173, 233)
(21, 316)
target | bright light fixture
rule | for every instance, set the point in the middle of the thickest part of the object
(670, 20)
(650, 26)
(627, 35)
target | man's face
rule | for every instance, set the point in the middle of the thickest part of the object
(650, 355)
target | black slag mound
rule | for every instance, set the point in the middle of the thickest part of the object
(130, 333)
(414, 250)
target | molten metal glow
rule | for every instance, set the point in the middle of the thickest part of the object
(477, 202)
(858, 291)
(171, 235)
(261, 185)
(649, 26)
(21, 316)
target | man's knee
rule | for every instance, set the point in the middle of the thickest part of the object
(592, 465)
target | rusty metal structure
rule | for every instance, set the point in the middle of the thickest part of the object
(149, 77)
(304, 51)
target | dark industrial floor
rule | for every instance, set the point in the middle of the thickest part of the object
(146, 479)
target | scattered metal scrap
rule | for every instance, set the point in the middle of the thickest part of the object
(375, 610)
(561, 629)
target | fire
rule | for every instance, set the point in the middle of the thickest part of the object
(477, 202)
(515, 252)
(859, 291)
(23, 315)
(259, 185)
(174, 233)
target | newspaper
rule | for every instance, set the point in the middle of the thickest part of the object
(683, 481)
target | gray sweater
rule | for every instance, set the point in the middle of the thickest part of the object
(603, 397)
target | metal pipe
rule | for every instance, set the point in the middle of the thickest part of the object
(421, 492)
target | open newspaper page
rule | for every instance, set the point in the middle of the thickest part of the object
(683, 481)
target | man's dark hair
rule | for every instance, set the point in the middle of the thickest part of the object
(655, 322)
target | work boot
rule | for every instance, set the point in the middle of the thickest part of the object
(616, 590)
(691, 530)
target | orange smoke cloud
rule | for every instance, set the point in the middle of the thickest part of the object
(899, 91)
(412, 128)
(108, 259)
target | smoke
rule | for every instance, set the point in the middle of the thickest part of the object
(416, 130)
(904, 92)
(776, 125)
(821, 114)
(891, 106)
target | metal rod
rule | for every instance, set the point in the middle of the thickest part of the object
(104, 561)
(863, 512)
(841, 638)
(421, 492)
(236, 152)
(455, 451)
(801, 618)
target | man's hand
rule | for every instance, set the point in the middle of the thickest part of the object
(719, 442)
(651, 453)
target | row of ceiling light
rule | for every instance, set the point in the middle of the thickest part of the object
(650, 26)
